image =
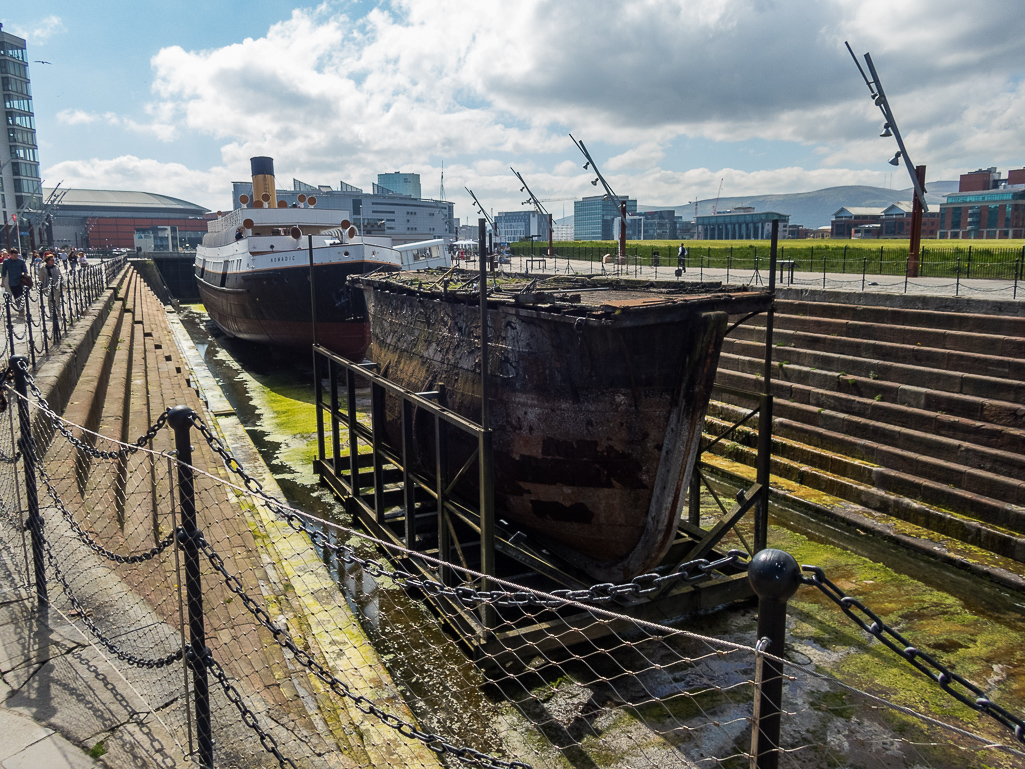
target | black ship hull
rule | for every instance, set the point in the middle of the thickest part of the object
(273, 306)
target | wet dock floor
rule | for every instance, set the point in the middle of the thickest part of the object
(971, 625)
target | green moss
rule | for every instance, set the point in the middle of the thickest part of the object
(97, 751)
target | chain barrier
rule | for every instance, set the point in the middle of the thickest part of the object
(642, 585)
(248, 717)
(87, 539)
(58, 424)
(115, 649)
(365, 705)
(975, 698)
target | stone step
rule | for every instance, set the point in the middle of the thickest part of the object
(1000, 324)
(989, 497)
(922, 356)
(874, 388)
(935, 338)
(980, 534)
(974, 385)
(878, 412)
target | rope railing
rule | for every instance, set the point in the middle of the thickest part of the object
(643, 692)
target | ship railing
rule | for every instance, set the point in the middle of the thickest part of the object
(359, 450)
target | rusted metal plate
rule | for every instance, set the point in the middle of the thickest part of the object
(597, 408)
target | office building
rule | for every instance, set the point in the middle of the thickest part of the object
(985, 206)
(400, 184)
(742, 223)
(20, 185)
(595, 218)
(892, 221)
(400, 217)
(521, 225)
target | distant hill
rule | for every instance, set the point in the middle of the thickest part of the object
(812, 209)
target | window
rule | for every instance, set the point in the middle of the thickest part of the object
(8, 67)
(955, 218)
(25, 153)
(991, 217)
(21, 136)
(13, 102)
(14, 85)
(25, 121)
(15, 53)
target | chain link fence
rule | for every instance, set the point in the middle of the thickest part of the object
(320, 646)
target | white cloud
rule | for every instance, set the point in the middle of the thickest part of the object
(37, 32)
(127, 172)
(489, 84)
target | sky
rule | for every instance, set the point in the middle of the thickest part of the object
(674, 99)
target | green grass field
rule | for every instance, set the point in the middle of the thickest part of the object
(938, 258)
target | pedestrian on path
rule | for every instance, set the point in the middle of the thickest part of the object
(681, 258)
(15, 276)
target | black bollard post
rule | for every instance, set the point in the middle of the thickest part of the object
(775, 577)
(179, 419)
(28, 453)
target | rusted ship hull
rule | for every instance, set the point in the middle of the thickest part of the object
(597, 408)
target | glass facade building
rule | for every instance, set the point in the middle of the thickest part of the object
(747, 225)
(403, 184)
(521, 225)
(595, 218)
(20, 185)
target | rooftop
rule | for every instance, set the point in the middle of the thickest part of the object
(98, 199)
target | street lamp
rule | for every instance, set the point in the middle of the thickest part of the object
(917, 173)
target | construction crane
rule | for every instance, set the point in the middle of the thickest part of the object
(715, 205)
(537, 207)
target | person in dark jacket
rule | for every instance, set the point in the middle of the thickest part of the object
(14, 269)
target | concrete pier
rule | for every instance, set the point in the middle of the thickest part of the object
(115, 374)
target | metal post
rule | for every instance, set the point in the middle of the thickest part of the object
(179, 419)
(28, 453)
(775, 576)
(764, 459)
(957, 279)
(864, 269)
(485, 461)
(694, 511)
(313, 291)
(1018, 269)
(906, 261)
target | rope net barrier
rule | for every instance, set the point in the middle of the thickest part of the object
(327, 647)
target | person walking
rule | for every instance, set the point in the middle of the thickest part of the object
(681, 258)
(16, 277)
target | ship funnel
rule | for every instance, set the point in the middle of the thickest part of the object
(263, 181)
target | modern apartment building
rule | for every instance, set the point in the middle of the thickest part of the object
(20, 185)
